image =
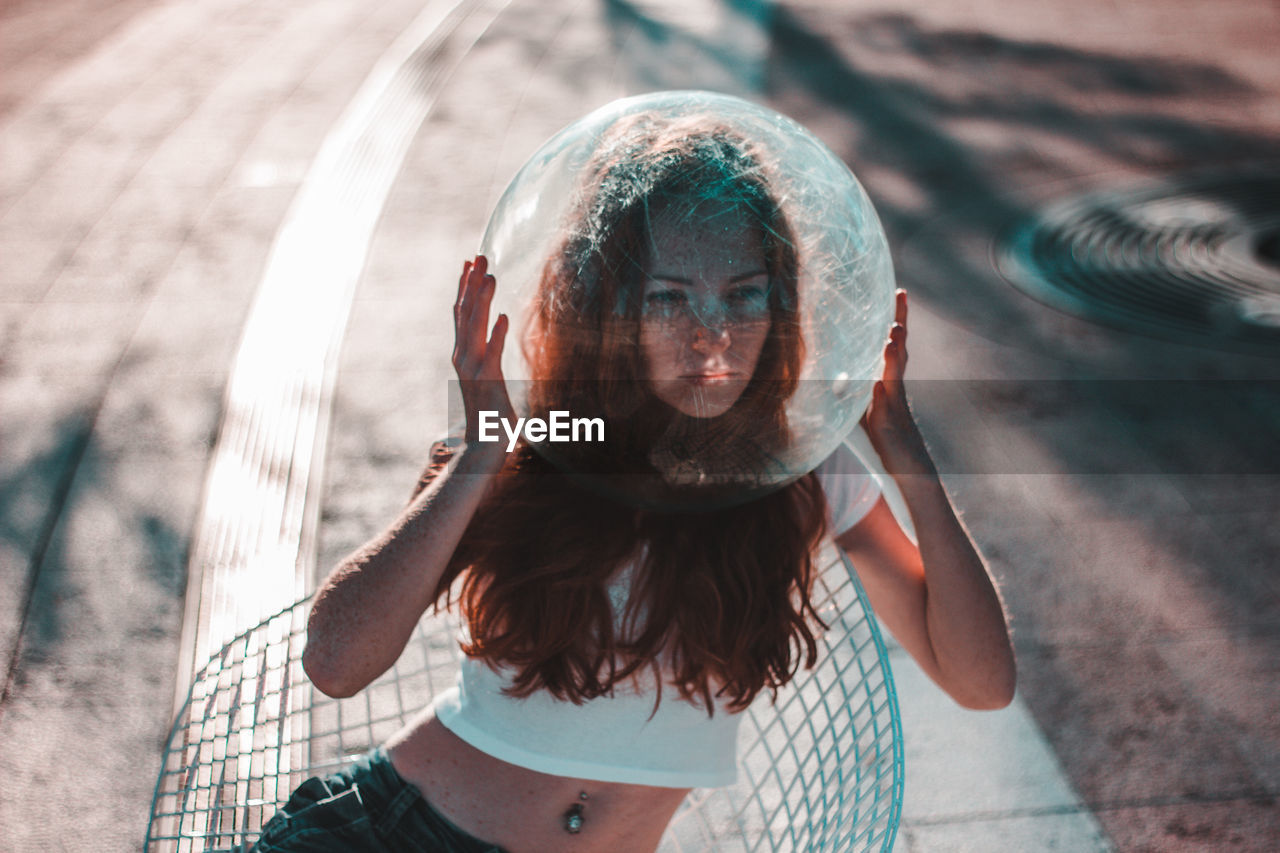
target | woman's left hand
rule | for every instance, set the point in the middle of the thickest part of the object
(888, 420)
(935, 593)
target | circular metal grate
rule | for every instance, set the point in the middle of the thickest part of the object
(1196, 259)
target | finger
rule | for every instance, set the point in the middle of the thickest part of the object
(473, 287)
(890, 350)
(900, 307)
(479, 272)
(895, 353)
(872, 410)
(881, 409)
(462, 283)
(880, 393)
(473, 273)
(466, 294)
(493, 361)
(463, 308)
(478, 322)
(468, 341)
(493, 352)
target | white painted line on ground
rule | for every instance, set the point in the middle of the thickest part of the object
(255, 542)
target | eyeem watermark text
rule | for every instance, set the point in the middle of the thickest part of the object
(560, 427)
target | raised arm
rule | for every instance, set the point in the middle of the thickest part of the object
(937, 597)
(366, 610)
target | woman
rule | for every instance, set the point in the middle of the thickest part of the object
(612, 643)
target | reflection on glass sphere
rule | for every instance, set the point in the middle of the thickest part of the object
(704, 276)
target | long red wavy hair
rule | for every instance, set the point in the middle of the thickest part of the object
(719, 602)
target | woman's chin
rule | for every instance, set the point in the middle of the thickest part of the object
(704, 400)
(703, 409)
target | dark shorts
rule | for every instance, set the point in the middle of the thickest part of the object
(364, 808)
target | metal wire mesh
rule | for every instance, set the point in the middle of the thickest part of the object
(820, 770)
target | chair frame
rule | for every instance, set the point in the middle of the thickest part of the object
(820, 769)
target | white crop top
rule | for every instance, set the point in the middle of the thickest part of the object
(615, 738)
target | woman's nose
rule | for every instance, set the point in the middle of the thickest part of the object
(708, 340)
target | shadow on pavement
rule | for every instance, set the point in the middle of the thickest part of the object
(129, 567)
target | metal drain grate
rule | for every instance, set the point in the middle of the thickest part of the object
(1196, 260)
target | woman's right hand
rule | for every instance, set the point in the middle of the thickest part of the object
(478, 361)
(366, 610)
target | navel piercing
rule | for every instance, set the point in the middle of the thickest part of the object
(573, 817)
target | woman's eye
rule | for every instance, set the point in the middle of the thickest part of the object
(749, 301)
(664, 302)
(747, 293)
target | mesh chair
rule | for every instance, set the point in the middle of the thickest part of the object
(820, 770)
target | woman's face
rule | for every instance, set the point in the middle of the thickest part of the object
(705, 311)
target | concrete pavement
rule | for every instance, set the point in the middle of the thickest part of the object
(148, 166)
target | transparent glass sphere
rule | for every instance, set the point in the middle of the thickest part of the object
(706, 279)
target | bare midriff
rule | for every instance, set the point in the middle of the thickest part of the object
(522, 810)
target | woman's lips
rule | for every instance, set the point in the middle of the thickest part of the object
(711, 378)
